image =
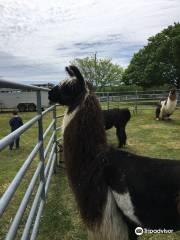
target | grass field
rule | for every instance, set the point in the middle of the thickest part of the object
(61, 218)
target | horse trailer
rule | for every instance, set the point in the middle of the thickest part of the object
(24, 101)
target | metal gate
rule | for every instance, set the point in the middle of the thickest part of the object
(43, 171)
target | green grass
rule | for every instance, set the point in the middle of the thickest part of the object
(146, 136)
(10, 163)
(61, 220)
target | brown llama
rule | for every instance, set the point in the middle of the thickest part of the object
(116, 191)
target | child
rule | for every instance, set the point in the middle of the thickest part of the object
(15, 122)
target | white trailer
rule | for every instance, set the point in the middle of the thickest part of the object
(22, 100)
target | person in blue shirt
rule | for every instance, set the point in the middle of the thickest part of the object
(15, 122)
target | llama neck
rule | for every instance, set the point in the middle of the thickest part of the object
(84, 142)
(84, 133)
(68, 117)
(171, 104)
(172, 97)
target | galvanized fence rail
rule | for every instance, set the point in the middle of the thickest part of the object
(43, 172)
(136, 100)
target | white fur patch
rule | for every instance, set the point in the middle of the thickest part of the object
(68, 117)
(125, 204)
(168, 108)
(171, 105)
(112, 226)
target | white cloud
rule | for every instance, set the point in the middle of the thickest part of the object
(48, 34)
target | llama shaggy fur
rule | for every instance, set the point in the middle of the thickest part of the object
(116, 191)
(166, 107)
(117, 118)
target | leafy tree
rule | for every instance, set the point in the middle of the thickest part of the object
(157, 63)
(101, 72)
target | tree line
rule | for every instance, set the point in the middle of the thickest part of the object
(156, 64)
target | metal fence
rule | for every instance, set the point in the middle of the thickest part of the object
(136, 100)
(43, 172)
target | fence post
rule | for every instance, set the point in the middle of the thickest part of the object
(55, 136)
(118, 97)
(136, 101)
(108, 100)
(40, 139)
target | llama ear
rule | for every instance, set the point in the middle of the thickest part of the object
(70, 72)
(77, 74)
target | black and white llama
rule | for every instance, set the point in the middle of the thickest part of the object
(116, 191)
(166, 107)
(117, 118)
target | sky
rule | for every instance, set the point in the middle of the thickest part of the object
(38, 38)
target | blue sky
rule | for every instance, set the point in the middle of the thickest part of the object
(38, 38)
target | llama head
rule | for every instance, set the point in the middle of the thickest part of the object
(70, 91)
(172, 94)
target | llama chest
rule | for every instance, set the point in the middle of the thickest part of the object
(67, 118)
(125, 204)
(113, 226)
(168, 106)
